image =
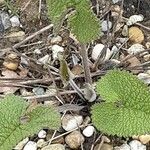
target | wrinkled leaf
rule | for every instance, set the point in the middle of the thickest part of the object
(12, 126)
(126, 110)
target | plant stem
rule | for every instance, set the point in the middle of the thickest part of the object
(83, 52)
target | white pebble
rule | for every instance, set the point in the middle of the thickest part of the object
(44, 60)
(106, 25)
(115, 1)
(30, 146)
(42, 134)
(37, 51)
(15, 21)
(88, 131)
(144, 77)
(70, 122)
(56, 39)
(21, 144)
(122, 147)
(55, 50)
(136, 48)
(134, 19)
(136, 145)
(98, 49)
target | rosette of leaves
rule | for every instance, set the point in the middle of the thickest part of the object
(83, 23)
(126, 107)
(17, 123)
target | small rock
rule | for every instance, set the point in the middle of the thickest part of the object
(122, 147)
(38, 91)
(41, 143)
(30, 146)
(2, 2)
(125, 30)
(42, 134)
(88, 131)
(70, 122)
(136, 48)
(44, 60)
(105, 139)
(144, 138)
(37, 51)
(74, 139)
(147, 44)
(103, 147)
(54, 147)
(106, 25)
(11, 62)
(136, 35)
(15, 21)
(136, 145)
(55, 50)
(134, 19)
(98, 49)
(144, 77)
(5, 20)
(115, 1)
(16, 36)
(21, 144)
(56, 40)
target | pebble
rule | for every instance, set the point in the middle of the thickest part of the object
(56, 40)
(54, 147)
(42, 134)
(30, 146)
(88, 131)
(122, 147)
(38, 91)
(21, 144)
(136, 48)
(2, 2)
(44, 60)
(16, 36)
(55, 50)
(103, 147)
(41, 143)
(134, 19)
(5, 20)
(98, 49)
(106, 25)
(11, 62)
(74, 139)
(15, 21)
(144, 139)
(70, 122)
(125, 30)
(136, 35)
(144, 77)
(137, 145)
(115, 1)
(37, 51)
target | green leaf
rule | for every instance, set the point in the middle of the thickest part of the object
(126, 110)
(13, 129)
(84, 23)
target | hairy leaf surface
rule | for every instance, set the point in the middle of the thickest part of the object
(13, 128)
(126, 110)
(84, 23)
